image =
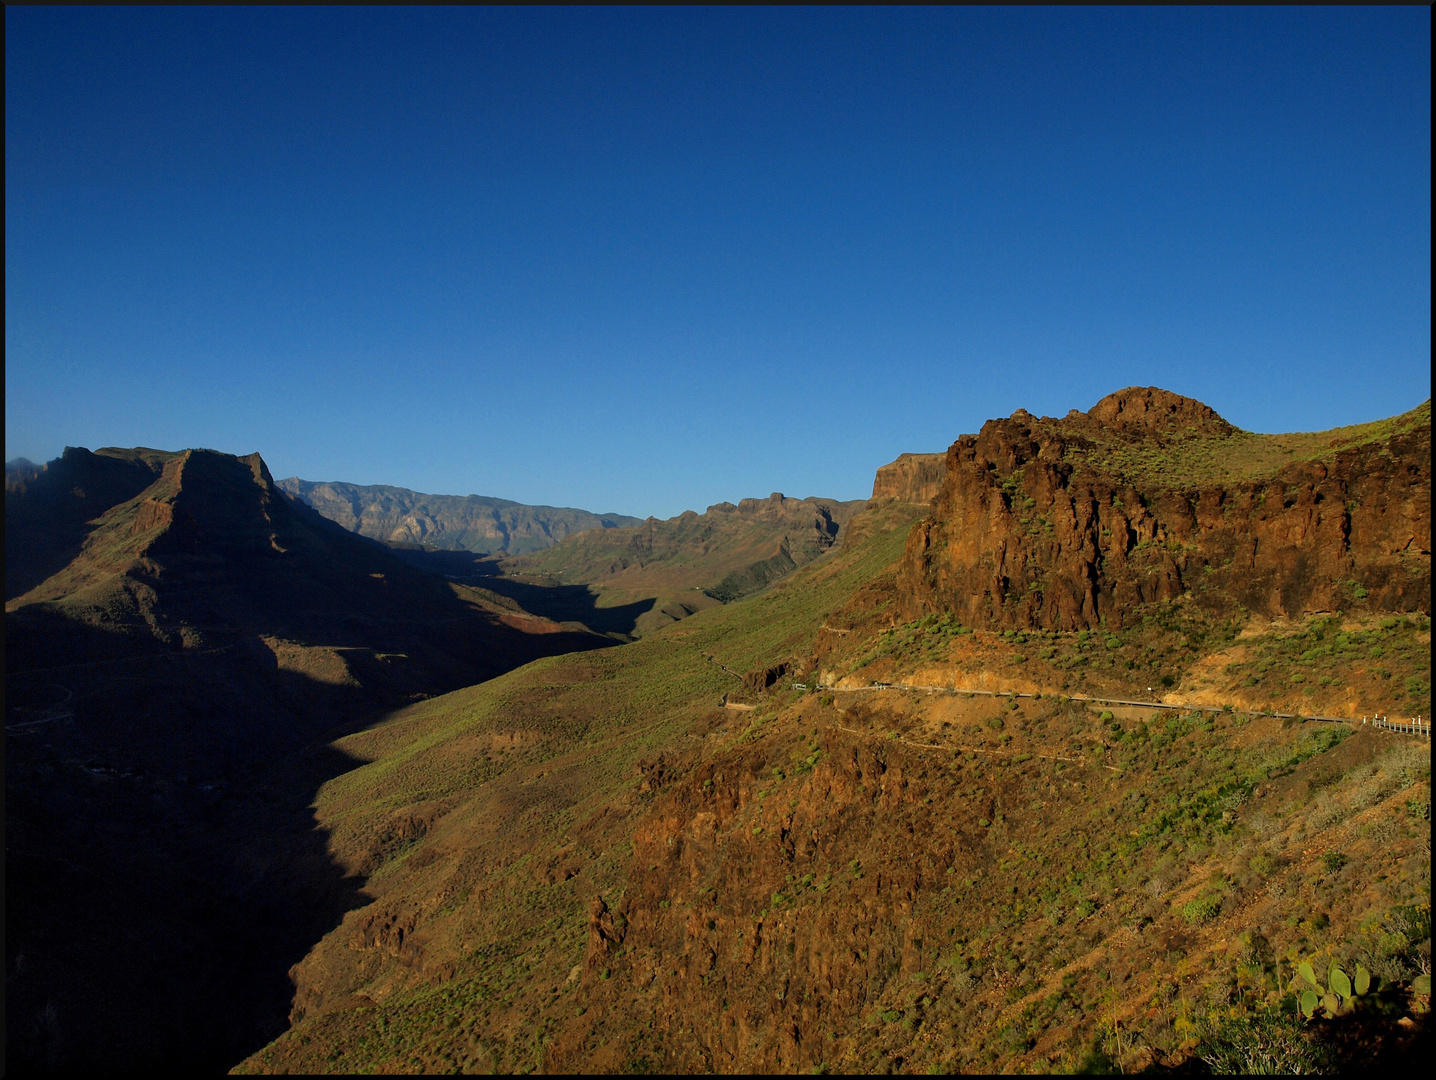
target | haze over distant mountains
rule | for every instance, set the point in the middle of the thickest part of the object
(475, 523)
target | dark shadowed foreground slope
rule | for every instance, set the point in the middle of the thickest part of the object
(640, 860)
(448, 522)
(183, 627)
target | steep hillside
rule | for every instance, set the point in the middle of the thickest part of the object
(640, 860)
(488, 820)
(453, 522)
(693, 561)
(205, 627)
(890, 885)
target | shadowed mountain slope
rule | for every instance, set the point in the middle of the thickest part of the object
(47, 506)
(452, 522)
(212, 553)
(660, 865)
(164, 688)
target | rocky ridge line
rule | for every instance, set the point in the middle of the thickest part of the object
(1035, 528)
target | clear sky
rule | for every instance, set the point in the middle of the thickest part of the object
(646, 260)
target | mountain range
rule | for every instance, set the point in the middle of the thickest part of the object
(1013, 767)
(623, 575)
(452, 522)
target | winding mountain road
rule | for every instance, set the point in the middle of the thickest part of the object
(1413, 726)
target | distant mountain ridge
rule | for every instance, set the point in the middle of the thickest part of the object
(695, 560)
(476, 523)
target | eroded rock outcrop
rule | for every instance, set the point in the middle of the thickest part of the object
(710, 916)
(759, 680)
(912, 478)
(1150, 496)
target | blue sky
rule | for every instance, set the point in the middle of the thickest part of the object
(646, 260)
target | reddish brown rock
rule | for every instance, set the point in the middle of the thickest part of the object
(912, 478)
(1061, 524)
(761, 679)
(1152, 409)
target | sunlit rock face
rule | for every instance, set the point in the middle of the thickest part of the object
(1150, 496)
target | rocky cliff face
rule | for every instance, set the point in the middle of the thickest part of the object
(1150, 496)
(912, 478)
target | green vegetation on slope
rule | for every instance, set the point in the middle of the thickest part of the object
(523, 792)
(1346, 666)
(201, 629)
(1193, 458)
(924, 894)
(727, 552)
(1022, 883)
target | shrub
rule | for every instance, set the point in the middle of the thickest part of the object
(1266, 1043)
(1202, 909)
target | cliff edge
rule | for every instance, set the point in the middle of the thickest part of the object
(912, 478)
